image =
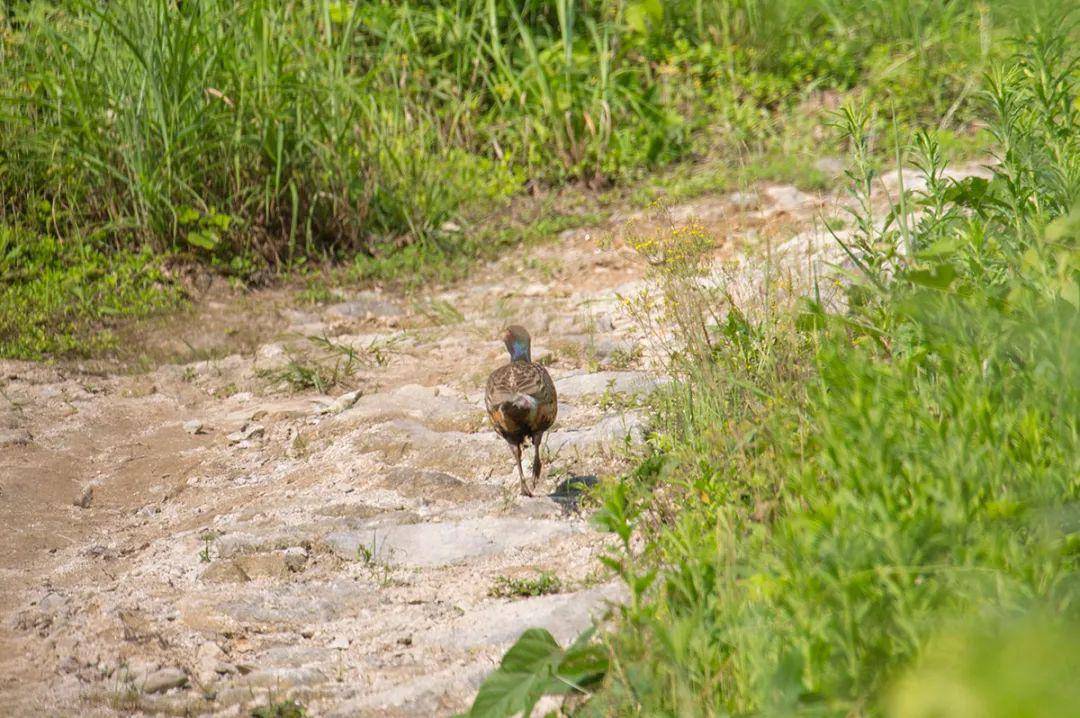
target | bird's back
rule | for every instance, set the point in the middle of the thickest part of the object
(521, 400)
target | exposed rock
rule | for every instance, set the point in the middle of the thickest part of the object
(139, 389)
(249, 540)
(263, 565)
(426, 693)
(566, 615)
(284, 678)
(15, 437)
(444, 544)
(435, 409)
(366, 305)
(743, 200)
(438, 485)
(164, 679)
(208, 660)
(136, 669)
(295, 558)
(704, 210)
(450, 451)
(224, 571)
(193, 426)
(601, 382)
(68, 664)
(247, 433)
(341, 403)
(609, 432)
(84, 498)
(787, 198)
(284, 606)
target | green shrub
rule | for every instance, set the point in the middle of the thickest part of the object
(829, 487)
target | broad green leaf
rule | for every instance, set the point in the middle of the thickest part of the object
(535, 666)
(187, 215)
(580, 667)
(221, 221)
(940, 278)
(644, 16)
(968, 192)
(202, 240)
(521, 679)
(535, 649)
(942, 247)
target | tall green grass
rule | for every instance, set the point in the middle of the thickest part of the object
(257, 123)
(284, 130)
(860, 506)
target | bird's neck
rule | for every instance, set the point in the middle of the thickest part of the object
(519, 351)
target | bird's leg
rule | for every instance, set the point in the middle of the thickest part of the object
(536, 439)
(516, 448)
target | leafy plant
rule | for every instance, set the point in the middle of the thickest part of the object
(328, 364)
(540, 585)
(834, 481)
(281, 709)
(536, 666)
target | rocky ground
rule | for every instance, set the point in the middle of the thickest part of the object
(208, 538)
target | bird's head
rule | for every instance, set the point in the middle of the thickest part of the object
(517, 343)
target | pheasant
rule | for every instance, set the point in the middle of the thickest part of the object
(521, 400)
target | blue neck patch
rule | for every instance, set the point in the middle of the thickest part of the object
(519, 351)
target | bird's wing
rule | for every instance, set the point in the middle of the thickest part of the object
(548, 400)
(519, 378)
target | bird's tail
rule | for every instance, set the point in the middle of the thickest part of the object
(524, 402)
(518, 407)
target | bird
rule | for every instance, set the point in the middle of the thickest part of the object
(521, 400)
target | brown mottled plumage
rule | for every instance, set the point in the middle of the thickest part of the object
(521, 400)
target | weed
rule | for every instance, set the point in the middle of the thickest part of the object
(191, 132)
(207, 538)
(316, 293)
(523, 587)
(376, 559)
(618, 400)
(300, 375)
(280, 709)
(625, 357)
(327, 364)
(440, 312)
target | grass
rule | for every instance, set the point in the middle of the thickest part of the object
(325, 364)
(866, 505)
(280, 709)
(526, 586)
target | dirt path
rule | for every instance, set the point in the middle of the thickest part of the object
(245, 543)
